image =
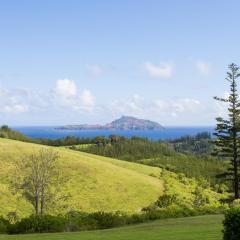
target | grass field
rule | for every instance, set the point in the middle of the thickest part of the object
(192, 228)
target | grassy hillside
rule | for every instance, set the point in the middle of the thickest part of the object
(192, 228)
(99, 183)
(96, 183)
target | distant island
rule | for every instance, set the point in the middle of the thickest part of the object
(123, 123)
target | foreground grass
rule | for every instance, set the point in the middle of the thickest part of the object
(192, 228)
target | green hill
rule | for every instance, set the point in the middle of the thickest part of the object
(97, 183)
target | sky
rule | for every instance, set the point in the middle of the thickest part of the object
(73, 62)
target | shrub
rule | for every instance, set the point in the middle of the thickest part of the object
(166, 200)
(201, 198)
(4, 225)
(108, 220)
(236, 203)
(163, 201)
(38, 224)
(77, 221)
(98, 220)
(231, 224)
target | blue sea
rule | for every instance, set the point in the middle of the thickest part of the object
(167, 133)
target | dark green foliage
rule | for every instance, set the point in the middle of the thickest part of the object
(38, 224)
(4, 225)
(231, 224)
(108, 220)
(192, 166)
(228, 131)
(66, 141)
(166, 200)
(77, 221)
(132, 149)
(198, 145)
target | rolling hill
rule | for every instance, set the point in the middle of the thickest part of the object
(96, 183)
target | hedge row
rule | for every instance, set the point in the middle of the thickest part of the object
(77, 221)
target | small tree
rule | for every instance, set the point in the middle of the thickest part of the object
(37, 177)
(228, 131)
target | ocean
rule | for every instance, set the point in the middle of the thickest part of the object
(167, 133)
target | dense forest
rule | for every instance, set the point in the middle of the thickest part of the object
(200, 144)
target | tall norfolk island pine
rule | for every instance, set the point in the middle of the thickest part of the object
(228, 131)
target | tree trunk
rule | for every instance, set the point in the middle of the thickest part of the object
(42, 202)
(236, 181)
(36, 202)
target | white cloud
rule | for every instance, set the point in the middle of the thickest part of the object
(87, 98)
(156, 109)
(57, 104)
(94, 69)
(14, 101)
(186, 104)
(133, 106)
(16, 108)
(164, 70)
(177, 107)
(66, 94)
(204, 67)
(65, 87)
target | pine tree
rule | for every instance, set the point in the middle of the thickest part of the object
(227, 143)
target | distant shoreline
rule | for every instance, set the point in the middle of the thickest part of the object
(168, 133)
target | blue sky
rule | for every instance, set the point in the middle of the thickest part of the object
(70, 62)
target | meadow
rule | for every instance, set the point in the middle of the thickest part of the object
(192, 228)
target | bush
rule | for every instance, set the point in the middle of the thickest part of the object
(77, 221)
(108, 220)
(38, 224)
(4, 225)
(231, 224)
(166, 200)
(236, 203)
